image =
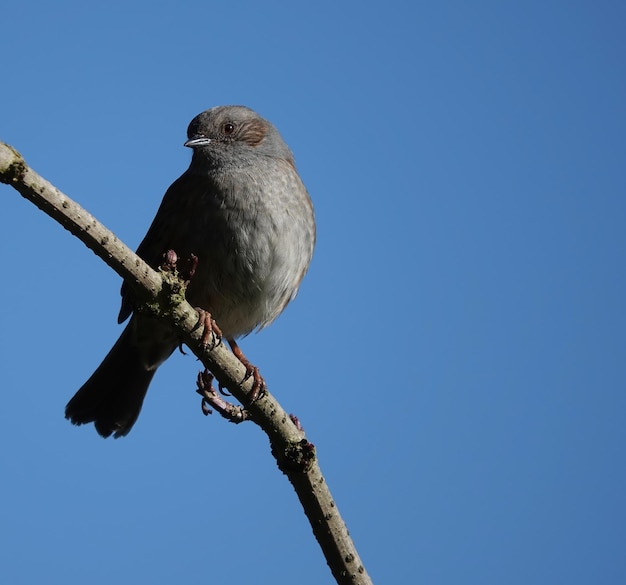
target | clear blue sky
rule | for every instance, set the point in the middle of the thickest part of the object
(458, 349)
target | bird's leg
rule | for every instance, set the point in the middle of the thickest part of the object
(258, 387)
(210, 329)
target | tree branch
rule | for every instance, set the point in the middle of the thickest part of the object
(159, 293)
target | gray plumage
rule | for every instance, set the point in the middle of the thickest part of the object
(242, 209)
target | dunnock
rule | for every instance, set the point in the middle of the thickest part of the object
(243, 211)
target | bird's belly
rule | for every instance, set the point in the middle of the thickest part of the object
(246, 278)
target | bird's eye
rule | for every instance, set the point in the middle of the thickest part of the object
(228, 128)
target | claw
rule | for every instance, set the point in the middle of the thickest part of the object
(210, 329)
(259, 388)
(222, 390)
(171, 264)
(205, 388)
(170, 259)
(210, 398)
(204, 405)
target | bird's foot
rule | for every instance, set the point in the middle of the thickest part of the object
(211, 399)
(170, 259)
(259, 388)
(171, 263)
(210, 329)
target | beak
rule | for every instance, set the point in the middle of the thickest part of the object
(197, 142)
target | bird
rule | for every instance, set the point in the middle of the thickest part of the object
(243, 213)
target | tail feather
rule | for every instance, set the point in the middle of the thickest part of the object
(112, 398)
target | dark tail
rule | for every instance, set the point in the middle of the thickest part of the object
(113, 396)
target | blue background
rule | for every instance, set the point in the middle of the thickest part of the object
(457, 350)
